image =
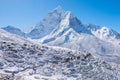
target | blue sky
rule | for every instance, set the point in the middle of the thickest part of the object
(22, 13)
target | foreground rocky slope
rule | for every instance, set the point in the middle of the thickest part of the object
(24, 60)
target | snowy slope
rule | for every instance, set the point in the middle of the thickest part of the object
(14, 30)
(20, 60)
(6, 36)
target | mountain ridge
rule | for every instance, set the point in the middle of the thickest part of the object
(14, 30)
(51, 22)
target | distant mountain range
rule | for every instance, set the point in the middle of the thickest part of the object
(14, 30)
(61, 28)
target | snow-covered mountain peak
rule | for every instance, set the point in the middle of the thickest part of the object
(57, 13)
(69, 29)
(106, 33)
(58, 9)
(47, 24)
(58, 19)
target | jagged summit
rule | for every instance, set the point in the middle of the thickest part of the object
(68, 28)
(104, 33)
(58, 9)
(47, 24)
(55, 20)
